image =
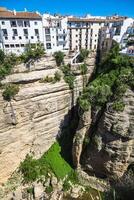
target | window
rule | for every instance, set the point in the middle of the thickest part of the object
(20, 37)
(25, 32)
(48, 45)
(13, 23)
(48, 38)
(20, 23)
(15, 33)
(26, 24)
(4, 31)
(36, 31)
(35, 23)
(38, 37)
(6, 45)
(3, 23)
(13, 38)
(12, 45)
(76, 35)
(22, 45)
(76, 41)
(6, 38)
(95, 46)
(26, 37)
(47, 30)
(17, 45)
(32, 37)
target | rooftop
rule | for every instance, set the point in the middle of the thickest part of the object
(4, 14)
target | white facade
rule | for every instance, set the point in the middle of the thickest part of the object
(84, 33)
(55, 33)
(19, 30)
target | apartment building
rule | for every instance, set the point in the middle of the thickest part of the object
(115, 28)
(84, 32)
(17, 29)
(55, 33)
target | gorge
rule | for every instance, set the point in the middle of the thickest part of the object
(101, 102)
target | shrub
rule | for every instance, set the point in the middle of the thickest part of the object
(49, 189)
(69, 77)
(59, 57)
(2, 56)
(83, 69)
(57, 76)
(118, 106)
(47, 79)
(83, 55)
(10, 91)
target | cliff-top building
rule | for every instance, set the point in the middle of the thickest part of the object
(17, 29)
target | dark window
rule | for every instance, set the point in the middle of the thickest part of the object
(13, 38)
(26, 24)
(20, 23)
(20, 37)
(22, 45)
(3, 23)
(13, 24)
(48, 45)
(35, 23)
(6, 38)
(6, 45)
(26, 37)
(4, 31)
(17, 45)
(48, 38)
(32, 37)
(36, 31)
(76, 35)
(47, 30)
(38, 37)
(12, 45)
(25, 31)
(15, 33)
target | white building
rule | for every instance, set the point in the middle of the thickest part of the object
(17, 29)
(115, 29)
(84, 32)
(55, 33)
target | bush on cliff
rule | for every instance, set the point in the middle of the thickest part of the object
(10, 91)
(59, 57)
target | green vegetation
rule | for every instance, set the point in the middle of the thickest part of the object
(114, 76)
(10, 91)
(49, 189)
(69, 77)
(83, 69)
(52, 162)
(50, 79)
(59, 58)
(57, 76)
(47, 79)
(32, 53)
(83, 55)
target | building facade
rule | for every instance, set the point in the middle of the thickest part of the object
(17, 29)
(55, 33)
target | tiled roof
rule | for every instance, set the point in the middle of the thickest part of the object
(5, 14)
(74, 19)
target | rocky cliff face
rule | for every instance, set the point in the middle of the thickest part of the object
(111, 149)
(31, 122)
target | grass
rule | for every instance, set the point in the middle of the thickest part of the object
(51, 162)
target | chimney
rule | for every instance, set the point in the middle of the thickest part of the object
(14, 12)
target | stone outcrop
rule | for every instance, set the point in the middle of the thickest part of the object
(111, 150)
(33, 119)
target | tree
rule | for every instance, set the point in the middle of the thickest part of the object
(2, 56)
(83, 55)
(10, 91)
(59, 57)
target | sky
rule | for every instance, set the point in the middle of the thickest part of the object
(74, 7)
